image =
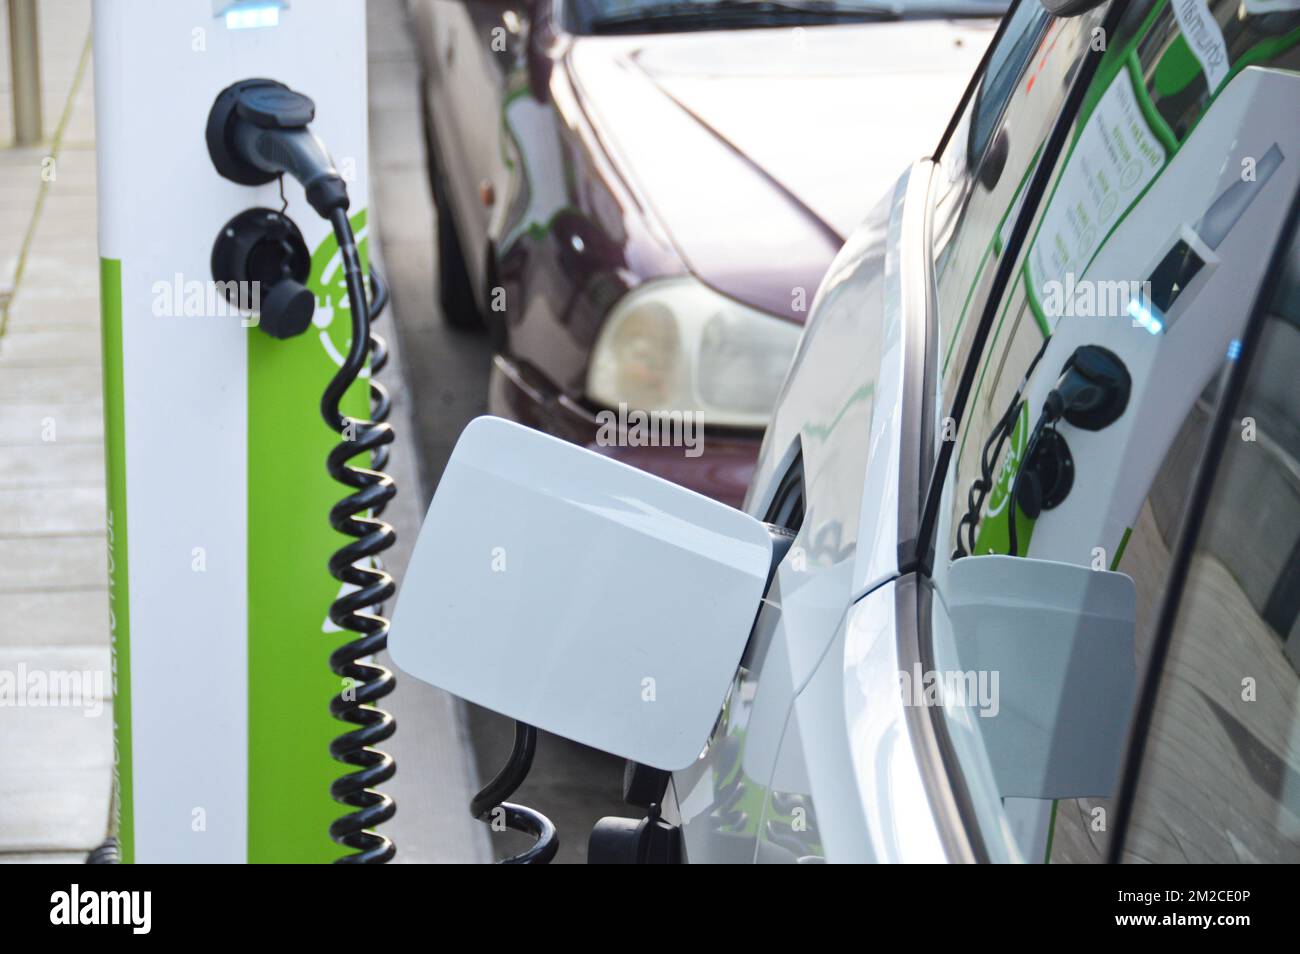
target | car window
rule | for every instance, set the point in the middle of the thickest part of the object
(1093, 389)
(987, 160)
(1025, 23)
(1219, 779)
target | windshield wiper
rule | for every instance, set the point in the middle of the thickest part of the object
(676, 12)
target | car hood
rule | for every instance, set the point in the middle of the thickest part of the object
(759, 150)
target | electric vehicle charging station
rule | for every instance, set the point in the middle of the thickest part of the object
(219, 516)
(220, 504)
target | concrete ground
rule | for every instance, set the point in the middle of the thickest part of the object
(446, 372)
(55, 762)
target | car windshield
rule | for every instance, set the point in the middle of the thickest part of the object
(653, 16)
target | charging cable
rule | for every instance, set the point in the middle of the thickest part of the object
(258, 130)
(1091, 393)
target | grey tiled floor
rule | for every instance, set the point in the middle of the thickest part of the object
(55, 761)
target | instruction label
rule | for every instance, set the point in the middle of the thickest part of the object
(1116, 157)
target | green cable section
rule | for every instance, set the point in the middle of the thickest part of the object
(119, 605)
(1123, 545)
(1051, 834)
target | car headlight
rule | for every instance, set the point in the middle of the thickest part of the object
(676, 345)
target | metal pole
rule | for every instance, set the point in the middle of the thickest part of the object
(25, 65)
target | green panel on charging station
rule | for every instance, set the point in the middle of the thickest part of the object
(119, 604)
(289, 587)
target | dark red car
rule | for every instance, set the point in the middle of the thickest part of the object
(640, 198)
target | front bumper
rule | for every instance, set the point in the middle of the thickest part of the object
(722, 470)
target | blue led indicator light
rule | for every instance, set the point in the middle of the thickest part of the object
(249, 18)
(1148, 318)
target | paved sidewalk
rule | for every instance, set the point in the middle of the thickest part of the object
(436, 776)
(55, 759)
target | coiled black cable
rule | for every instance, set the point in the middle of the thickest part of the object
(981, 485)
(359, 564)
(356, 564)
(381, 403)
(1031, 448)
(105, 853)
(519, 818)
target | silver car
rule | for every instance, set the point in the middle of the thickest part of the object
(1018, 574)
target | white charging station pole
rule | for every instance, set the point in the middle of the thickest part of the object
(218, 494)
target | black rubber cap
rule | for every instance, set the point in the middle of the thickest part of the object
(222, 119)
(274, 106)
(287, 309)
(1104, 371)
(615, 841)
(259, 245)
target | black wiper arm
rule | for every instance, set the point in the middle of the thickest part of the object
(675, 10)
(821, 8)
